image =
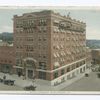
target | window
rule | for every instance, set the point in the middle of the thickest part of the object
(10, 61)
(44, 56)
(62, 71)
(83, 62)
(55, 75)
(17, 61)
(42, 75)
(42, 22)
(29, 62)
(73, 67)
(80, 63)
(44, 39)
(81, 70)
(39, 39)
(68, 69)
(56, 24)
(77, 65)
(29, 48)
(42, 65)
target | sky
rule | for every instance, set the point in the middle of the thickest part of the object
(90, 16)
(49, 2)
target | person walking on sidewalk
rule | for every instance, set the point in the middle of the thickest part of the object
(4, 78)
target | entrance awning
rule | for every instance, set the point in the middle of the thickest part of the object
(18, 67)
(56, 21)
(56, 64)
(28, 58)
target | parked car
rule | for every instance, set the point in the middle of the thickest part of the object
(1, 80)
(99, 69)
(9, 82)
(98, 75)
(86, 75)
(28, 88)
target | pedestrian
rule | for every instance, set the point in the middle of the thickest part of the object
(4, 77)
(23, 76)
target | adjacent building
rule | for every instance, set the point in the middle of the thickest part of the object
(88, 58)
(50, 46)
(6, 58)
(96, 56)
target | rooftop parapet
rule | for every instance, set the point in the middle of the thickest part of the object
(44, 12)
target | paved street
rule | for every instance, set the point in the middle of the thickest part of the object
(91, 83)
(9, 88)
(19, 83)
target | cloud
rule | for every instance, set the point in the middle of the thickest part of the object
(6, 29)
(93, 33)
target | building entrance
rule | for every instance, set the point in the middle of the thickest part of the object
(30, 74)
(19, 72)
(30, 67)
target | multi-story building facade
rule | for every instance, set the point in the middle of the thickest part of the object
(52, 44)
(7, 58)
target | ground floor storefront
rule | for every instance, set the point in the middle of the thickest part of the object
(65, 80)
(27, 73)
(6, 68)
(41, 86)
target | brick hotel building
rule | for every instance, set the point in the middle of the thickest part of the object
(50, 45)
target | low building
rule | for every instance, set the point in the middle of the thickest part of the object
(6, 58)
(88, 58)
(96, 56)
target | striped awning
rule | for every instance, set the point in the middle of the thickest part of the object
(56, 64)
(18, 67)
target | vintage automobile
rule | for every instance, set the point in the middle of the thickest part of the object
(98, 75)
(9, 82)
(1, 80)
(31, 87)
(86, 75)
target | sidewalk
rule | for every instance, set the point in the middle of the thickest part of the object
(18, 80)
(90, 83)
(41, 87)
(5, 88)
